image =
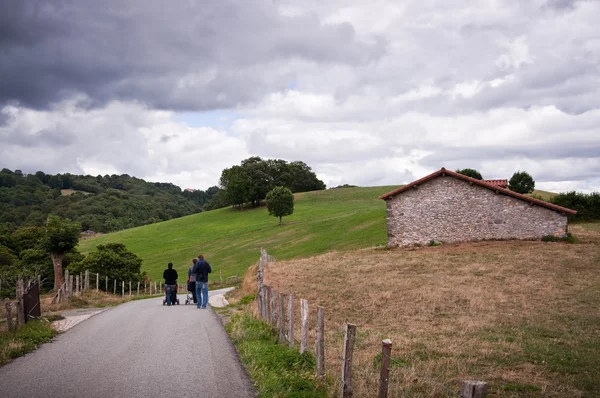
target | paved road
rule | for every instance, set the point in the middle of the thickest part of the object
(138, 349)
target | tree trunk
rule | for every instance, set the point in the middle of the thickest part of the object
(57, 260)
(280, 222)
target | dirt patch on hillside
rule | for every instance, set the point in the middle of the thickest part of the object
(515, 314)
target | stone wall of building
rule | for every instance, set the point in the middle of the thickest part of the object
(447, 209)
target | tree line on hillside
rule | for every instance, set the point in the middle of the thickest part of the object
(586, 205)
(49, 250)
(255, 177)
(102, 203)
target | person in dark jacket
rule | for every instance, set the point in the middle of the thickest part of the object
(170, 276)
(192, 280)
(201, 270)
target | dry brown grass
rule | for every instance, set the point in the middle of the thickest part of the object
(247, 288)
(510, 313)
(90, 298)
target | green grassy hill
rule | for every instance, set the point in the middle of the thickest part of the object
(335, 219)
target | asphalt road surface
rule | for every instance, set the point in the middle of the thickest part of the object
(138, 349)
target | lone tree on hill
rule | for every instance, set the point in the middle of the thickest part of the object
(280, 202)
(470, 173)
(521, 182)
(61, 236)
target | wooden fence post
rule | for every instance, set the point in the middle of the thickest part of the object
(8, 308)
(281, 320)
(304, 320)
(267, 303)
(261, 305)
(272, 305)
(67, 282)
(87, 280)
(384, 374)
(122, 288)
(70, 294)
(275, 314)
(291, 320)
(320, 344)
(347, 364)
(138, 291)
(114, 286)
(106, 287)
(97, 281)
(20, 303)
(77, 285)
(80, 282)
(473, 389)
(130, 288)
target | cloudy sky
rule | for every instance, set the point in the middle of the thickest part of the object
(365, 92)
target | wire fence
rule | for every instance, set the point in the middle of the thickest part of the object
(271, 309)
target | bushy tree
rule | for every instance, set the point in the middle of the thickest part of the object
(255, 177)
(280, 202)
(60, 237)
(470, 173)
(114, 261)
(237, 185)
(521, 182)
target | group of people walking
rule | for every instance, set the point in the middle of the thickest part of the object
(197, 281)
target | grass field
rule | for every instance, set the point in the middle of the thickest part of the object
(544, 195)
(521, 315)
(230, 239)
(336, 219)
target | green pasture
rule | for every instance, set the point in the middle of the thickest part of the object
(230, 239)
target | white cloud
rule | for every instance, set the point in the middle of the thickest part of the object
(381, 93)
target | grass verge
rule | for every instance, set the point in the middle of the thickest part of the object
(277, 370)
(24, 340)
(517, 314)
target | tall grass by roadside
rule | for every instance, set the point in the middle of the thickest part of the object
(24, 340)
(277, 370)
(88, 299)
(520, 315)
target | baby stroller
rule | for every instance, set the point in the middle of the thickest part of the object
(189, 299)
(174, 299)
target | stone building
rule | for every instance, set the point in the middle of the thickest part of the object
(449, 207)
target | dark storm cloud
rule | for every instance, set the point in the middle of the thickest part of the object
(173, 55)
(45, 138)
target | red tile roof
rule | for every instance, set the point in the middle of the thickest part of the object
(497, 183)
(481, 183)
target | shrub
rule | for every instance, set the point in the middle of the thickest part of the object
(551, 238)
(470, 173)
(586, 205)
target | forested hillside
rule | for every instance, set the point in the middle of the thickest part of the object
(102, 203)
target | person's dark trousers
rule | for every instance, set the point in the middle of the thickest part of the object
(204, 288)
(198, 294)
(169, 290)
(192, 288)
